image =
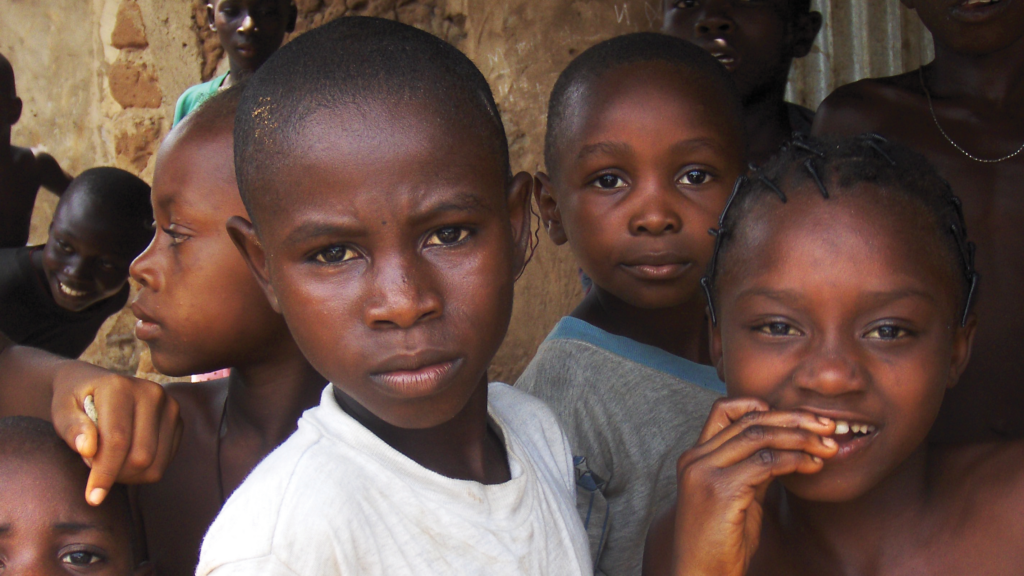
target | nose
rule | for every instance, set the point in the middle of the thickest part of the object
(831, 370)
(248, 25)
(715, 19)
(144, 270)
(654, 212)
(404, 295)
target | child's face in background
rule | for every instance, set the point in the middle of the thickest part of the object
(754, 40)
(199, 308)
(975, 29)
(251, 30)
(46, 527)
(644, 171)
(847, 308)
(391, 252)
(87, 255)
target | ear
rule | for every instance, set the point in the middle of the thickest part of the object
(804, 31)
(16, 106)
(715, 344)
(248, 243)
(210, 18)
(293, 16)
(963, 342)
(910, 4)
(145, 569)
(519, 198)
(550, 216)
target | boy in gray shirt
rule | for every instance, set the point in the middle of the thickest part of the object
(644, 144)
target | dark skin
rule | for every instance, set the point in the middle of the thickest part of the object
(645, 170)
(393, 261)
(812, 338)
(86, 258)
(22, 170)
(249, 31)
(757, 42)
(47, 528)
(200, 310)
(977, 84)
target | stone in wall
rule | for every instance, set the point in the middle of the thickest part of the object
(133, 82)
(136, 140)
(129, 30)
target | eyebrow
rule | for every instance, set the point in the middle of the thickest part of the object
(615, 148)
(352, 227)
(876, 298)
(72, 527)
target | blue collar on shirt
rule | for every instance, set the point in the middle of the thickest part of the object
(569, 328)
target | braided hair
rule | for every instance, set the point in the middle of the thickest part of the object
(843, 164)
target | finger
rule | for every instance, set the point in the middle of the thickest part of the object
(116, 417)
(168, 437)
(773, 418)
(757, 438)
(74, 425)
(765, 465)
(725, 411)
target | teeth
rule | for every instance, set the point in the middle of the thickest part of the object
(976, 2)
(844, 427)
(70, 291)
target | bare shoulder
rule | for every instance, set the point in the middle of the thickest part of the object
(866, 105)
(658, 549)
(988, 477)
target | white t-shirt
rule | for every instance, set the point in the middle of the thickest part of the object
(336, 499)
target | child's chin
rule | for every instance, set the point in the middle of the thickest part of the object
(824, 487)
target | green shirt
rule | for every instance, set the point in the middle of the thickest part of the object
(191, 99)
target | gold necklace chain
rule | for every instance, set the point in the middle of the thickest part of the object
(920, 73)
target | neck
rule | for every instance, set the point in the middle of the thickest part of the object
(266, 398)
(859, 533)
(5, 148)
(766, 121)
(463, 448)
(997, 77)
(681, 330)
(237, 73)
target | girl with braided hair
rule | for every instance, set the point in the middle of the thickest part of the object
(840, 296)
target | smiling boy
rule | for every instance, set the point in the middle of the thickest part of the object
(388, 230)
(643, 145)
(249, 31)
(756, 42)
(963, 111)
(57, 296)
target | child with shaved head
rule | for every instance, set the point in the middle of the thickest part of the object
(46, 527)
(57, 296)
(22, 170)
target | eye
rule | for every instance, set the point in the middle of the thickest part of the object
(335, 255)
(609, 182)
(777, 329)
(81, 558)
(887, 332)
(447, 236)
(176, 237)
(695, 177)
(107, 265)
(65, 247)
(686, 4)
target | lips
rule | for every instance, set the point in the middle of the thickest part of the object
(70, 291)
(415, 374)
(976, 11)
(146, 327)
(722, 52)
(657, 266)
(853, 432)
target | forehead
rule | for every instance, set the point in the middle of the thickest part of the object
(862, 239)
(43, 491)
(637, 98)
(195, 173)
(389, 155)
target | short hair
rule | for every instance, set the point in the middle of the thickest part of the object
(215, 113)
(701, 68)
(352, 62)
(7, 78)
(837, 165)
(120, 194)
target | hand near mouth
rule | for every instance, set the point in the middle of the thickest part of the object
(723, 481)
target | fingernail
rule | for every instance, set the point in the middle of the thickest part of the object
(825, 421)
(828, 441)
(96, 496)
(816, 459)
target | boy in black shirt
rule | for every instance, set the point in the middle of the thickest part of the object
(56, 296)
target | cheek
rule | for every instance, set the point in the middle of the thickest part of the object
(751, 370)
